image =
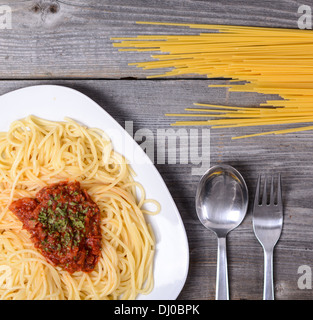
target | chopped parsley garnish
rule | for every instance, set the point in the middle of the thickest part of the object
(67, 219)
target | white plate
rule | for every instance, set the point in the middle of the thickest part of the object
(56, 102)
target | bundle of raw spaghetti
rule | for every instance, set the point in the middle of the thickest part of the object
(268, 60)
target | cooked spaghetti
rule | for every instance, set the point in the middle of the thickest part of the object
(36, 153)
(265, 60)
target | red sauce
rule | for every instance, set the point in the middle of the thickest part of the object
(64, 224)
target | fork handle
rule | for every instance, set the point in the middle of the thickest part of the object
(268, 291)
(222, 274)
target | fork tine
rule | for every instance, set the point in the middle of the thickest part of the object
(272, 200)
(279, 193)
(257, 192)
(264, 196)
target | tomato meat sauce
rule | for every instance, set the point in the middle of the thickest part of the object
(64, 223)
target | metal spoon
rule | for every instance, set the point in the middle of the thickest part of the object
(221, 204)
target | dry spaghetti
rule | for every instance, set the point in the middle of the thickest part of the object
(266, 60)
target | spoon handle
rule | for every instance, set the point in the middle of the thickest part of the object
(222, 274)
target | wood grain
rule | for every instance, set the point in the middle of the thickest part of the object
(144, 103)
(71, 39)
(68, 43)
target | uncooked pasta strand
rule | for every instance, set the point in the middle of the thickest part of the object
(270, 61)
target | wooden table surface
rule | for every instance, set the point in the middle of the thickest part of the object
(68, 43)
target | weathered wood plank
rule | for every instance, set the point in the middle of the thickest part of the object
(71, 39)
(143, 103)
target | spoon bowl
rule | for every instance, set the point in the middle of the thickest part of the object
(221, 204)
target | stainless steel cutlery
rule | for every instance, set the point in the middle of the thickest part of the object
(267, 225)
(221, 203)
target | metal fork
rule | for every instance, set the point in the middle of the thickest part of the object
(267, 225)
